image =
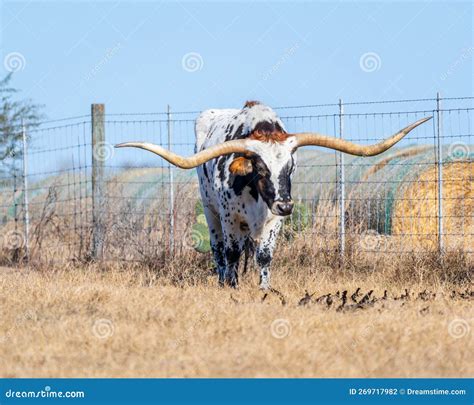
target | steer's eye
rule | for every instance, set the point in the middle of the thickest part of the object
(262, 170)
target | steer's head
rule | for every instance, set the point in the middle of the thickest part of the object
(265, 158)
(268, 168)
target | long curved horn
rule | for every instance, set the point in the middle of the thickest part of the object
(311, 138)
(226, 148)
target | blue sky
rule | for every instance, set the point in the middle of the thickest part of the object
(141, 56)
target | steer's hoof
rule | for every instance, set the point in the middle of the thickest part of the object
(233, 283)
(265, 287)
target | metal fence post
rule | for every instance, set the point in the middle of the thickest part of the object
(171, 190)
(341, 190)
(15, 204)
(439, 164)
(98, 181)
(25, 193)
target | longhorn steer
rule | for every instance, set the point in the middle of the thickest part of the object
(245, 161)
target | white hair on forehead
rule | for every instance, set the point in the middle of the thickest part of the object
(278, 152)
(276, 156)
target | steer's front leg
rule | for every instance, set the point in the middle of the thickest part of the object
(233, 250)
(234, 241)
(264, 251)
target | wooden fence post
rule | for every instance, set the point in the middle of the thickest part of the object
(98, 181)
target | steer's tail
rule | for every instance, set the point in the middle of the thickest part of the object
(249, 251)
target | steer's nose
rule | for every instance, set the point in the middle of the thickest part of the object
(283, 208)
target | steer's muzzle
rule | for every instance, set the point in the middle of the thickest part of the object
(282, 208)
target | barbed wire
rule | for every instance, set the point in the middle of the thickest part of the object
(61, 155)
(288, 107)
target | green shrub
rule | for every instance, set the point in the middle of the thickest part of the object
(298, 221)
(200, 231)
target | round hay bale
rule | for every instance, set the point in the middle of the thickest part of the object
(398, 196)
(404, 153)
(415, 212)
(373, 184)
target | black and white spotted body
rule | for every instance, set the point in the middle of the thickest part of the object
(245, 161)
(245, 206)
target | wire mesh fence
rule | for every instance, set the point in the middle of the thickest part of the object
(73, 197)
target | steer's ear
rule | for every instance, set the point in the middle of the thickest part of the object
(241, 166)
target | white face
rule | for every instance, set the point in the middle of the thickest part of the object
(273, 166)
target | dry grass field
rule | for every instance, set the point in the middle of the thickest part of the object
(172, 320)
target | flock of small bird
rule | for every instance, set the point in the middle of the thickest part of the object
(357, 300)
(344, 301)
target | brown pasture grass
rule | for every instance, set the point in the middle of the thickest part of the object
(163, 315)
(168, 318)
